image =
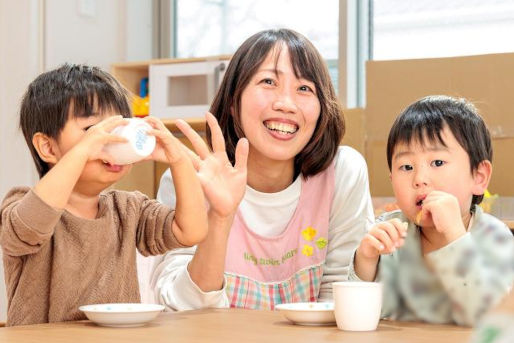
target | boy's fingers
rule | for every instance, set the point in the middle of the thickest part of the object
(217, 139)
(195, 139)
(382, 235)
(111, 138)
(392, 231)
(401, 227)
(373, 242)
(155, 123)
(160, 134)
(105, 157)
(241, 155)
(112, 122)
(193, 157)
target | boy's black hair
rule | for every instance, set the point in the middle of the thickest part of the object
(425, 119)
(45, 107)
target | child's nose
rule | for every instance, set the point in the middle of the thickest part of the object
(420, 179)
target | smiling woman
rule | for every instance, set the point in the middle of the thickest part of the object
(284, 225)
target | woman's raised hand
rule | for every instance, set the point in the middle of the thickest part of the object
(223, 184)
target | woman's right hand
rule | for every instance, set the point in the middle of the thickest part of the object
(223, 184)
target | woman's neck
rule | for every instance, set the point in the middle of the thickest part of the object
(270, 176)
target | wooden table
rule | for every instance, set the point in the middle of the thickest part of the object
(230, 325)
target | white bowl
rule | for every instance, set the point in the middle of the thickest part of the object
(311, 313)
(121, 315)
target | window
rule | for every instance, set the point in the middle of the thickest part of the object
(441, 28)
(215, 27)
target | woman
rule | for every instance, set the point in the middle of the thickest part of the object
(291, 204)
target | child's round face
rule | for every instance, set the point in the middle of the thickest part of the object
(279, 112)
(416, 170)
(96, 174)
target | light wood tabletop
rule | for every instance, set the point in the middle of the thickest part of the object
(231, 325)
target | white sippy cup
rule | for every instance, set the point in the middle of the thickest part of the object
(139, 144)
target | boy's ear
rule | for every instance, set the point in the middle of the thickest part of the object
(482, 176)
(46, 147)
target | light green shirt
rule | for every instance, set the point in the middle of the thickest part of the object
(457, 283)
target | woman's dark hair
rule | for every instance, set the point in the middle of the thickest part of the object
(425, 119)
(308, 64)
(46, 104)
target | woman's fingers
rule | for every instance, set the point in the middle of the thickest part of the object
(241, 155)
(217, 139)
(198, 143)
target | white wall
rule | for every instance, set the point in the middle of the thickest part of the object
(94, 36)
(20, 63)
(39, 35)
(139, 28)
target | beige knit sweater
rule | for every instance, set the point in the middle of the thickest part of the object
(54, 261)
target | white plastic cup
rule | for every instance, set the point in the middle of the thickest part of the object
(139, 144)
(357, 305)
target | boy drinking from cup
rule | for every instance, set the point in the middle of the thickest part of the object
(68, 241)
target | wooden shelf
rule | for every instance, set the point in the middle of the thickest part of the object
(145, 176)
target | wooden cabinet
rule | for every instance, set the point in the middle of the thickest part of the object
(182, 88)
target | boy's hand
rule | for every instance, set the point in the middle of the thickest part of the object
(383, 238)
(445, 212)
(97, 136)
(224, 185)
(168, 148)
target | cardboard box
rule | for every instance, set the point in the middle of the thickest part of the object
(485, 80)
(355, 135)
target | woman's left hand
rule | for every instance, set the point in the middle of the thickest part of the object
(223, 184)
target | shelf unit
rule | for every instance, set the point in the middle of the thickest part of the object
(145, 176)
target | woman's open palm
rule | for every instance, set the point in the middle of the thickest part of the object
(224, 184)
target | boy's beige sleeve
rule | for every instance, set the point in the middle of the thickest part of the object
(154, 235)
(26, 222)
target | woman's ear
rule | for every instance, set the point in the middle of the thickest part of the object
(482, 176)
(46, 147)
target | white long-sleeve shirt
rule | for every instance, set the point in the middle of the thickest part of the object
(166, 280)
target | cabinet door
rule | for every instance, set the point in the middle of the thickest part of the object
(184, 90)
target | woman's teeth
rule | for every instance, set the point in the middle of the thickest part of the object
(281, 127)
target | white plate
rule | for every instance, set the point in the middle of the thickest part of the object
(121, 315)
(309, 313)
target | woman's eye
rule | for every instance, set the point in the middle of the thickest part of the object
(406, 167)
(305, 88)
(437, 163)
(268, 81)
